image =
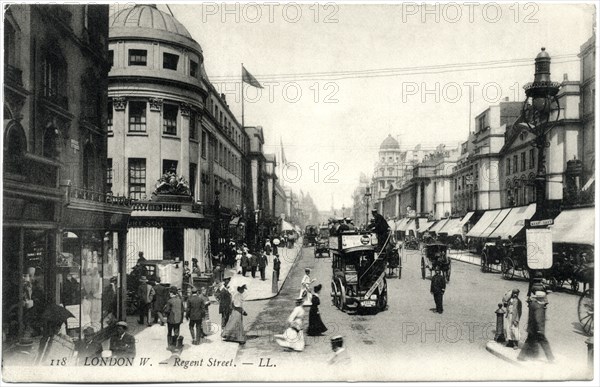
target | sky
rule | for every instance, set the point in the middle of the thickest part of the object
(340, 77)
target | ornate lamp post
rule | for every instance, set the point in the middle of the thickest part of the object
(367, 196)
(539, 114)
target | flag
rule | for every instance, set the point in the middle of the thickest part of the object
(283, 159)
(249, 78)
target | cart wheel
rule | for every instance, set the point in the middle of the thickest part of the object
(342, 298)
(334, 296)
(382, 299)
(448, 273)
(483, 262)
(508, 269)
(585, 310)
(422, 268)
(574, 285)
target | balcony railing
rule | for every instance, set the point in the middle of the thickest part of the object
(168, 207)
(98, 197)
(13, 75)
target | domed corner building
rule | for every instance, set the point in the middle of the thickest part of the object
(388, 170)
(157, 94)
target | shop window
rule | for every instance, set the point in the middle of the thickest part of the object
(169, 166)
(109, 175)
(138, 57)
(170, 61)
(193, 68)
(170, 119)
(137, 116)
(137, 178)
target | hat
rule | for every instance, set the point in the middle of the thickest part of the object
(25, 342)
(173, 289)
(88, 331)
(337, 339)
(539, 294)
(374, 210)
(318, 288)
(194, 291)
(122, 324)
(143, 279)
(516, 291)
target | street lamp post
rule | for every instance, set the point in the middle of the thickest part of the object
(539, 114)
(367, 196)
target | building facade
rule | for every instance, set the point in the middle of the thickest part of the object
(64, 237)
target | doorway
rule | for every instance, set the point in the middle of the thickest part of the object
(173, 243)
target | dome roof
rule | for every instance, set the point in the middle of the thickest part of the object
(389, 143)
(147, 16)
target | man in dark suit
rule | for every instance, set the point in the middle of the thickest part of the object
(245, 262)
(146, 297)
(253, 264)
(438, 287)
(122, 344)
(380, 226)
(195, 313)
(223, 295)
(263, 261)
(88, 347)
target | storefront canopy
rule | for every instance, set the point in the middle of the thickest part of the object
(514, 222)
(286, 226)
(424, 225)
(401, 224)
(487, 218)
(391, 224)
(451, 227)
(438, 226)
(574, 226)
(496, 222)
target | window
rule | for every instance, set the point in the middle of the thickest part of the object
(508, 165)
(531, 158)
(516, 163)
(137, 116)
(193, 172)
(137, 178)
(109, 175)
(9, 44)
(170, 61)
(109, 116)
(54, 79)
(204, 145)
(170, 119)
(169, 166)
(138, 57)
(481, 123)
(193, 129)
(193, 68)
(523, 161)
(111, 58)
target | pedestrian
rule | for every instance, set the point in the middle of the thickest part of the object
(315, 324)
(263, 261)
(268, 247)
(305, 286)
(381, 227)
(122, 344)
(275, 243)
(234, 330)
(141, 257)
(340, 354)
(276, 265)
(88, 346)
(245, 261)
(223, 296)
(438, 287)
(145, 295)
(513, 316)
(253, 264)
(161, 295)
(293, 337)
(536, 329)
(195, 313)
(174, 311)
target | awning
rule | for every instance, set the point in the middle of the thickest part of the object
(234, 221)
(451, 227)
(391, 224)
(411, 225)
(514, 222)
(487, 218)
(401, 224)
(286, 226)
(466, 218)
(438, 226)
(424, 225)
(574, 226)
(495, 223)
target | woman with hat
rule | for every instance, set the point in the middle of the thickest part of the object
(305, 286)
(513, 316)
(315, 324)
(234, 330)
(293, 337)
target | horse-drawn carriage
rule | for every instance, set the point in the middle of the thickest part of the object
(433, 256)
(322, 242)
(310, 234)
(358, 281)
(514, 261)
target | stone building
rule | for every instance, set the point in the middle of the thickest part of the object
(64, 237)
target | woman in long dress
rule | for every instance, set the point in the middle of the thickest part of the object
(305, 287)
(234, 330)
(293, 337)
(315, 324)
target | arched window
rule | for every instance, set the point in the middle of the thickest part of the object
(89, 167)
(15, 146)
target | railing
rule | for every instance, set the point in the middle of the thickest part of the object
(145, 206)
(13, 75)
(98, 197)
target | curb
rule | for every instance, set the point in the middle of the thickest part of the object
(283, 282)
(493, 351)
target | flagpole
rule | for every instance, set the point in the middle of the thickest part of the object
(242, 96)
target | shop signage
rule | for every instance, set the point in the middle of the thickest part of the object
(545, 222)
(539, 248)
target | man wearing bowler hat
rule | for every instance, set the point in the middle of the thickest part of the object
(145, 295)
(223, 295)
(122, 344)
(380, 226)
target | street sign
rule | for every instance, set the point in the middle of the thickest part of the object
(545, 222)
(539, 248)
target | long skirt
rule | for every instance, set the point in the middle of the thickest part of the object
(291, 339)
(315, 324)
(234, 330)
